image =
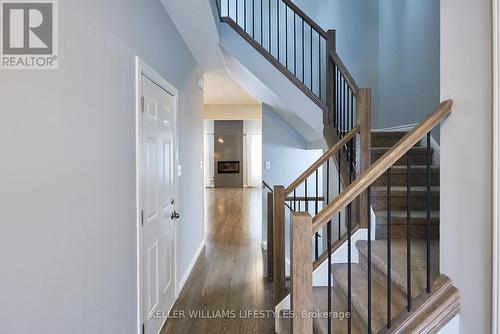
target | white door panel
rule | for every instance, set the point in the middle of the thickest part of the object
(158, 204)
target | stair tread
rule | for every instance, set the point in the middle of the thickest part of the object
(398, 217)
(398, 261)
(359, 291)
(339, 324)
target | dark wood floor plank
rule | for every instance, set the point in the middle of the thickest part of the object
(230, 272)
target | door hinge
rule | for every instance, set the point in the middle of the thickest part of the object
(143, 330)
(142, 217)
(142, 103)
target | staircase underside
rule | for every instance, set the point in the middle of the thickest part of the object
(267, 82)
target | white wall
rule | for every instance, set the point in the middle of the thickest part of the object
(466, 150)
(67, 195)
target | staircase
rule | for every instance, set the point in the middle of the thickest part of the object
(384, 280)
(416, 170)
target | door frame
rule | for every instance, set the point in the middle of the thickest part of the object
(496, 168)
(141, 68)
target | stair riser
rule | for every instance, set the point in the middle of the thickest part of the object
(400, 180)
(416, 159)
(385, 142)
(386, 139)
(417, 232)
(399, 203)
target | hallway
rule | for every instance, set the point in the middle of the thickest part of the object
(229, 275)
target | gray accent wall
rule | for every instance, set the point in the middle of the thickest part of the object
(356, 23)
(228, 146)
(409, 61)
(67, 195)
(390, 46)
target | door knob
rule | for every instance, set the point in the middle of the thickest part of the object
(175, 215)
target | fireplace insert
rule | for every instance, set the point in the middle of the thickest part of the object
(228, 167)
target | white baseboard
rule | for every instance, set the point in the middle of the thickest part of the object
(185, 277)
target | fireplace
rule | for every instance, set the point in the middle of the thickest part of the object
(228, 167)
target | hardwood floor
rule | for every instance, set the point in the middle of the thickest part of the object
(229, 275)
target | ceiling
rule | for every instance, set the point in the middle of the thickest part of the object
(220, 88)
(196, 23)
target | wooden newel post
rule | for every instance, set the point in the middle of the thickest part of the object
(279, 244)
(329, 115)
(270, 237)
(365, 136)
(301, 273)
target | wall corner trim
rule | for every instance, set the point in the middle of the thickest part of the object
(496, 168)
(185, 277)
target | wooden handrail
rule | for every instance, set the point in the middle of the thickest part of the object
(345, 73)
(306, 18)
(322, 160)
(381, 165)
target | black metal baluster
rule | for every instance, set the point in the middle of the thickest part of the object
(389, 231)
(349, 269)
(348, 107)
(327, 181)
(278, 26)
(338, 193)
(303, 53)
(286, 36)
(316, 210)
(311, 57)
(408, 234)
(245, 14)
(329, 246)
(295, 200)
(337, 100)
(428, 213)
(237, 11)
(261, 23)
(270, 45)
(317, 193)
(319, 64)
(294, 44)
(369, 215)
(329, 249)
(305, 197)
(341, 105)
(352, 109)
(228, 12)
(253, 19)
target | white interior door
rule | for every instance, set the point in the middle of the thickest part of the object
(158, 191)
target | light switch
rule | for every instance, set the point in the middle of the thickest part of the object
(179, 170)
(201, 164)
(268, 164)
